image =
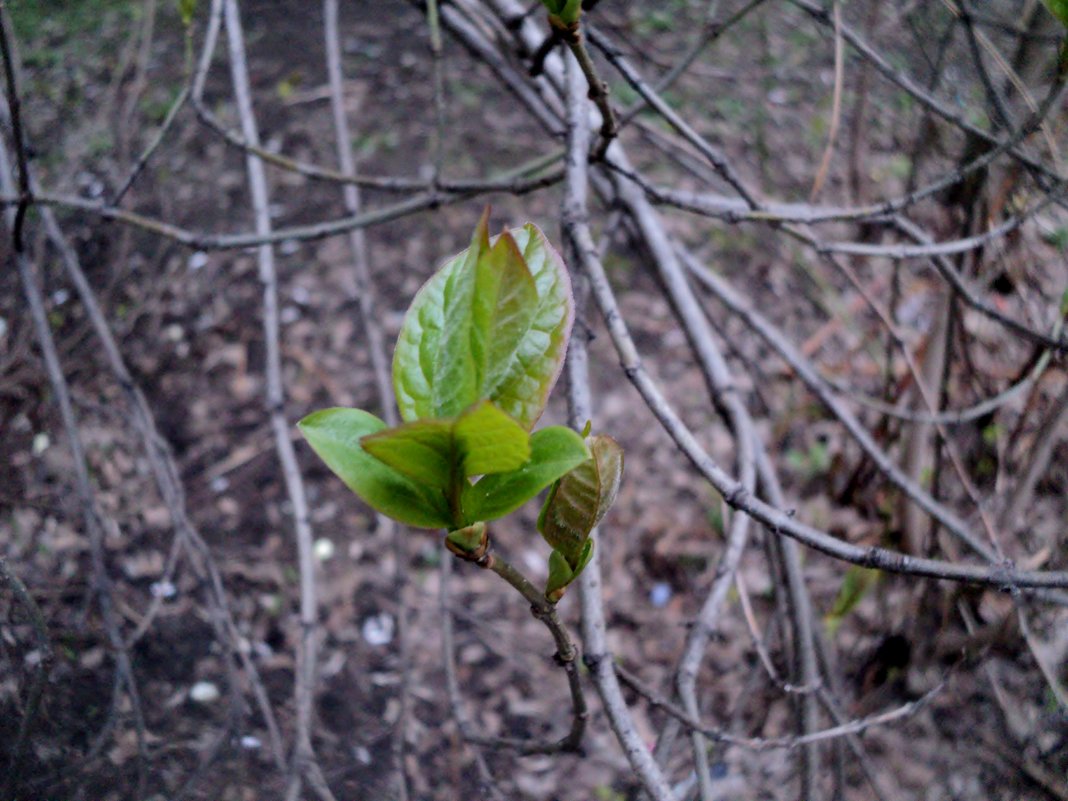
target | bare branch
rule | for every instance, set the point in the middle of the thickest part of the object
(305, 765)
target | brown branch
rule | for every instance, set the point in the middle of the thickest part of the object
(451, 193)
(92, 515)
(1003, 576)
(939, 107)
(579, 239)
(362, 290)
(14, 105)
(305, 765)
(774, 743)
(566, 657)
(707, 150)
(452, 684)
(836, 105)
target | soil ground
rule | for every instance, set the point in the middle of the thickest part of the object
(189, 326)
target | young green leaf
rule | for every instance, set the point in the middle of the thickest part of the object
(422, 450)
(335, 434)
(567, 12)
(581, 498)
(491, 324)
(186, 10)
(855, 585)
(459, 364)
(505, 304)
(440, 453)
(1059, 9)
(553, 452)
(535, 365)
(489, 441)
(561, 573)
(469, 542)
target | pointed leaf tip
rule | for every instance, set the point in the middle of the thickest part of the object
(491, 324)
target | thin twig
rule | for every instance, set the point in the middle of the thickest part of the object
(1046, 438)
(92, 516)
(598, 92)
(14, 103)
(452, 684)
(305, 764)
(725, 397)
(774, 743)
(711, 153)
(836, 105)
(438, 79)
(808, 375)
(566, 657)
(151, 147)
(41, 667)
(709, 34)
(594, 637)
(362, 290)
(512, 183)
(939, 107)
(1003, 576)
(801, 614)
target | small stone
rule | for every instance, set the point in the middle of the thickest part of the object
(204, 692)
(324, 549)
(41, 441)
(197, 261)
(378, 629)
(163, 589)
(660, 594)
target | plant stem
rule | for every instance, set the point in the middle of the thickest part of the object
(566, 656)
(598, 92)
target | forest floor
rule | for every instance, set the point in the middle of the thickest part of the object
(189, 326)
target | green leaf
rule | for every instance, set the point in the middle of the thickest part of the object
(470, 541)
(458, 363)
(566, 11)
(505, 303)
(489, 441)
(855, 585)
(441, 452)
(186, 10)
(491, 324)
(582, 498)
(562, 574)
(334, 434)
(584, 558)
(1059, 9)
(553, 452)
(422, 450)
(536, 363)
